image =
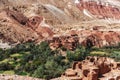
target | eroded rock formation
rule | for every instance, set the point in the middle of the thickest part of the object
(17, 28)
(38, 24)
(16, 16)
(99, 9)
(100, 39)
(12, 30)
(87, 38)
(93, 68)
(68, 42)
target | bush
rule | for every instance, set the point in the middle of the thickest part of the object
(79, 54)
(40, 61)
(22, 48)
(6, 66)
(115, 55)
(50, 69)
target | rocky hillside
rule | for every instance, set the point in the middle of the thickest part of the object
(93, 68)
(19, 20)
(64, 24)
(16, 28)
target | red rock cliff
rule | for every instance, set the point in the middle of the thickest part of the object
(100, 10)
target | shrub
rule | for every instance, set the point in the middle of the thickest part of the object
(40, 61)
(115, 55)
(50, 69)
(79, 54)
(6, 66)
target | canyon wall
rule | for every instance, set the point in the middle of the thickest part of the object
(99, 9)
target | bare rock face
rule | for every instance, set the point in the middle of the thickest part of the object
(87, 38)
(38, 24)
(17, 28)
(99, 9)
(17, 16)
(68, 42)
(93, 68)
(12, 29)
(34, 21)
(97, 38)
(100, 39)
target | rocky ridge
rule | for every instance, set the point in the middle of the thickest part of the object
(99, 9)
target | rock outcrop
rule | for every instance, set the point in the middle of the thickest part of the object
(16, 16)
(17, 28)
(38, 24)
(93, 68)
(13, 30)
(87, 38)
(97, 38)
(100, 9)
(67, 42)
(101, 39)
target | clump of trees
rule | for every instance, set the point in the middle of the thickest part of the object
(115, 55)
(78, 54)
(39, 60)
(42, 62)
(112, 51)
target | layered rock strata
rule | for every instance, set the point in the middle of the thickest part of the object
(99, 9)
